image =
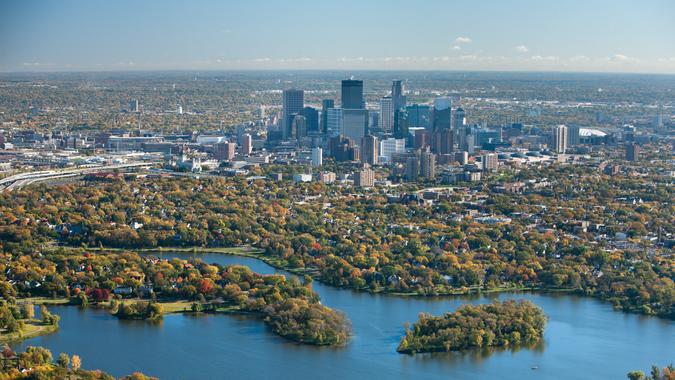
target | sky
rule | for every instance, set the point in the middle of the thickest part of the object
(516, 35)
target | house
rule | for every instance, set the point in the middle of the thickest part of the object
(123, 290)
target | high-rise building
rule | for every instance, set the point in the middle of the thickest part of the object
(298, 127)
(334, 122)
(133, 105)
(397, 95)
(412, 168)
(224, 151)
(490, 162)
(365, 177)
(418, 115)
(573, 137)
(312, 118)
(352, 94)
(391, 146)
(317, 157)
(293, 103)
(369, 150)
(443, 142)
(387, 114)
(421, 139)
(325, 105)
(460, 118)
(246, 144)
(354, 123)
(632, 152)
(560, 139)
(442, 114)
(462, 157)
(428, 166)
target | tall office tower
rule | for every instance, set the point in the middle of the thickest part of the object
(352, 94)
(442, 116)
(560, 139)
(224, 151)
(325, 105)
(428, 166)
(629, 132)
(632, 152)
(317, 157)
(246, 144)
(373, 119)
(369, 150)
(312, 117)
(421, 139)
(365, 177)
(460, 118)
(412, 168)
(573, 137)
(334, 122)
(443, 141)
(391, 146)
(387, 114)
(490, 162)
(470, 140)
(133, 105)
(397, 94)
(401, 124)
(293, 102)
(354, 123)
(419, 115)
(298, 127)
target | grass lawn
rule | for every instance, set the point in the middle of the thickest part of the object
(44, 300)
(31, 329)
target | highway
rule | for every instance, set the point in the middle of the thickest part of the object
(18, 181)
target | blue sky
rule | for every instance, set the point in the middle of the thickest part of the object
(573, 35)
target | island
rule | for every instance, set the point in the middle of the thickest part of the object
(145, 287)
(498, 324)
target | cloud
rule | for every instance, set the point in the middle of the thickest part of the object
(544, 58)
(622, 58)
(266, 59)
(456, 47)
(522, 49)
(463, 40)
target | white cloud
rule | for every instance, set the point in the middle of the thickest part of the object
(456, 47)
(622, 58)
(266, 59)
(463, 40)
(544, 58)
(522, 49)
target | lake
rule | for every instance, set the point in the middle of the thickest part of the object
(585, 338)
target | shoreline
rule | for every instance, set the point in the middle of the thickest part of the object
(33, 329)
(256, 253)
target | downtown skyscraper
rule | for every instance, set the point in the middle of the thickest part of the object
(352, 94)
(293, 103)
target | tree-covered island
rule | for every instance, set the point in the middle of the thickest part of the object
(499, 324)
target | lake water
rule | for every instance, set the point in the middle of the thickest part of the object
(584, 339)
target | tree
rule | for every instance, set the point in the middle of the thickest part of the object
(27, 311)
(63, 361)
(76, 363)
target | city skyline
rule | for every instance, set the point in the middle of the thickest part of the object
(617, 36)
